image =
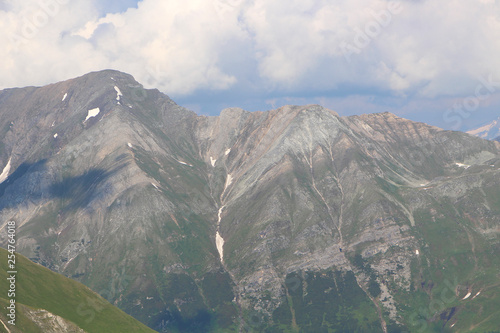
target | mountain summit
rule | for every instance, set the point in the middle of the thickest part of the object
(294, 219)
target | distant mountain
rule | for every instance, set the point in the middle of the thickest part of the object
(294, 219)
(51, 303)
(489, 131)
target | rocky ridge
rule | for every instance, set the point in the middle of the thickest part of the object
(185, 220)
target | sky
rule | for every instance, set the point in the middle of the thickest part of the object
(430, 61)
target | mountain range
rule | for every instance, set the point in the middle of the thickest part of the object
(290, 220)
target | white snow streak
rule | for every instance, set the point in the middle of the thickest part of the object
(219, 241)
(5, 172)
(467, 296)
(129, 144)
(64, 97)
(55, 136)
(212, 161)
(118, 93)
(417, 252)
(227, 151)
(462, 165)
(220, 211)
(476, 295)
(184, 163)
(92, 113)
(229, 180)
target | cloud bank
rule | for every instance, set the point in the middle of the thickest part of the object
(399, 49)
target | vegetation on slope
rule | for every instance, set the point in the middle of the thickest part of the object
(39, 288)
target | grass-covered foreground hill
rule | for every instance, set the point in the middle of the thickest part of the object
(47, 302)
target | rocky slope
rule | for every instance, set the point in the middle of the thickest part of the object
(294, 219)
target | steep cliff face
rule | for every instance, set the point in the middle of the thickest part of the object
(291, 219)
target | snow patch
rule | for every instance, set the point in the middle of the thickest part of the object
(219, 242)
(64, 97)
(462, 165)
(476, 295)
(129, 144)
(229, 180)
(220, 211)
(227, 151)
(212, 161)
(181, 162)
(156, 187)
(92, 113)
(118, 93)
(466, 296)
(5, 172)
(55, 136)
(417, 252)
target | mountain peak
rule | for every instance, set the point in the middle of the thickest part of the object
(111, 74)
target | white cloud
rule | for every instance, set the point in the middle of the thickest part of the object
(90, 27)
(426, 49)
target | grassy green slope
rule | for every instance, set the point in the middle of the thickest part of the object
(39, 287)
